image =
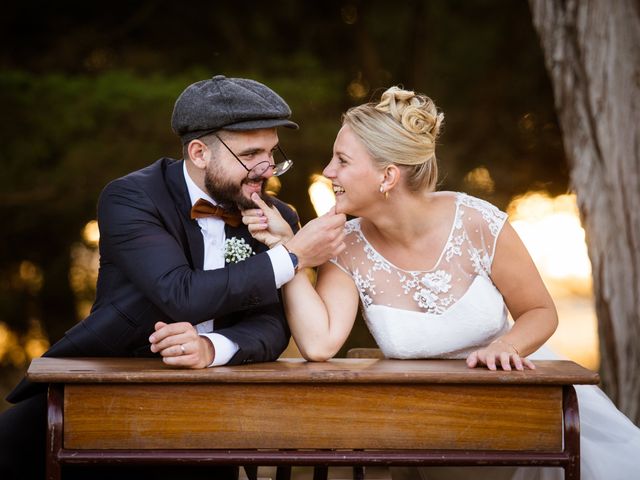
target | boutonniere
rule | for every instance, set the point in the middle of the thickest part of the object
(236, 250)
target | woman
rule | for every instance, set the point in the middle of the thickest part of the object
(435, 273)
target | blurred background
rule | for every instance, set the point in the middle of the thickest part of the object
(87, 90)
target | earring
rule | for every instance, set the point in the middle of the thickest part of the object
(384, 192)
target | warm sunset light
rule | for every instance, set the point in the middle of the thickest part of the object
(91, 233)
(321, 193)
(8, 341)
(17, 349)
(35, 341)
(551, 230)
(479, 179)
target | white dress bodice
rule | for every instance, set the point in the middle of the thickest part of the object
(473, 321)
(445, 312)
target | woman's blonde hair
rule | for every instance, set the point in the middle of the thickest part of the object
(401, 129)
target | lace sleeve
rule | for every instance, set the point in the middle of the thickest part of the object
(340, 262)
(483, 223)
(346, 260)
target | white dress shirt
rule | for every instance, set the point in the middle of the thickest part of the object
(213, 234)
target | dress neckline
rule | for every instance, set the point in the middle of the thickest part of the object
(442, 251)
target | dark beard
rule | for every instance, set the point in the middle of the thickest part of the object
(229, 195)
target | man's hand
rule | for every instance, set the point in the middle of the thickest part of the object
(319, 240)
(181, 346)
(266, 224)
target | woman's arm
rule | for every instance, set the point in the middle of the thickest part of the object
(320, 319)
(525, 295)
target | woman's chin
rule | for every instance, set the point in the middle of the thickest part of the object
(344, 206)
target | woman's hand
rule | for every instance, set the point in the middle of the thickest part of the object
(499, 354)
(266, 224)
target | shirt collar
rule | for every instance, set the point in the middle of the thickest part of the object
(195, 192)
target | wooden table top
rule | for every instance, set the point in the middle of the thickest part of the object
(290, 370)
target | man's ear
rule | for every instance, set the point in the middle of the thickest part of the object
(196, 151)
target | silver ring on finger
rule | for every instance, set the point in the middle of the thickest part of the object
(182, 349)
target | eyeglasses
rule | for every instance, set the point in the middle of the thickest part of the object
(257, 171)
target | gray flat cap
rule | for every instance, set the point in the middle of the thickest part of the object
(227, 103)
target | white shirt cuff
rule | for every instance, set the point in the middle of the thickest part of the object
(223, 347)
(282, 265)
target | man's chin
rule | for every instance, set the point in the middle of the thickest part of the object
(245, 202)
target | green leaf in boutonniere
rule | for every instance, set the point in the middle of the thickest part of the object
(236, 250)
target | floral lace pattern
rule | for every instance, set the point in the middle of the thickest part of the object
(467, 253)
(492, 216)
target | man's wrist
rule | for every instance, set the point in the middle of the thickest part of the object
(294, 258)
(209, 350)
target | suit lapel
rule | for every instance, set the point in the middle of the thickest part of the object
(178, 188)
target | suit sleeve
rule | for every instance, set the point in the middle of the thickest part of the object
(261, 335)
(135, 238)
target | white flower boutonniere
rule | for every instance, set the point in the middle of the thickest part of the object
(236, 250)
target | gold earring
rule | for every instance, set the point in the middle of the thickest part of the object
(384, 192)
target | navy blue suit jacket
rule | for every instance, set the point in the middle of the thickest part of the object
(151, 257)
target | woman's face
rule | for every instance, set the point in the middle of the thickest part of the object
(355, 179)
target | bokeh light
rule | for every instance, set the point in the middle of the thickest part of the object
(321, 194)
(479, 180)
(91, 233)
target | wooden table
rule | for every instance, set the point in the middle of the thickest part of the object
(290, 412)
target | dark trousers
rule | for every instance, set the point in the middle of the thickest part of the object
(22, 439)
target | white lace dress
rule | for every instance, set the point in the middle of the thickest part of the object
(453, 309)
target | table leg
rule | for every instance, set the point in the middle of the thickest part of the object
(571, 432)
(54, 431)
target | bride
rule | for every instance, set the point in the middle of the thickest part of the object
(436, 274)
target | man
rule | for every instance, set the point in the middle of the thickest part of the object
(163, 286)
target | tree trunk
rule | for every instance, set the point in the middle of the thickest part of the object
(592, 54)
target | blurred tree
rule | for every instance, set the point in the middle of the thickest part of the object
(595, 69)
(63, 139)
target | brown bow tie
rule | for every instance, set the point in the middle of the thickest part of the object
(203, 209)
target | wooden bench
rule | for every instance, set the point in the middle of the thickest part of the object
(290, 412)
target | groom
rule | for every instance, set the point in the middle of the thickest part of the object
(164, 286)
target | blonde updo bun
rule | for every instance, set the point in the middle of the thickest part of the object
(401, 129)
(416, 113)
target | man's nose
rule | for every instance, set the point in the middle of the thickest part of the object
(268, 173)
